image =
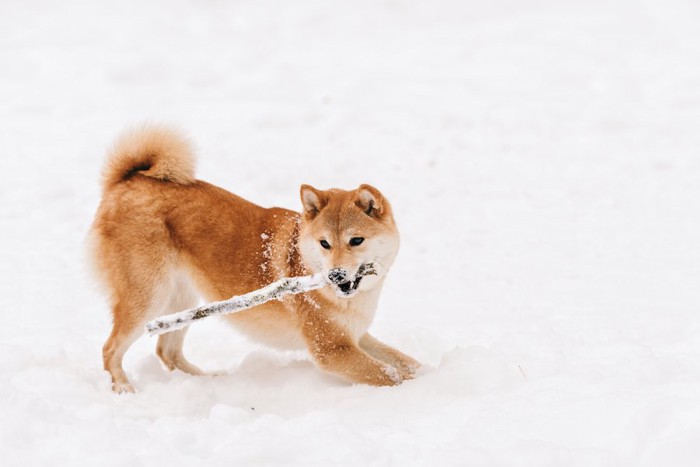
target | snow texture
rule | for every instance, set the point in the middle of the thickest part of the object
(542, 160)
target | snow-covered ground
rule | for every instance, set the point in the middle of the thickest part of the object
(543, 160)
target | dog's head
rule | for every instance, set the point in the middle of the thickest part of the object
(344, 233)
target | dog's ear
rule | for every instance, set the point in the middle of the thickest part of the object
(313, 201)
(371, 201)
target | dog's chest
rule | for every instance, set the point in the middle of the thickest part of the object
(357, 315)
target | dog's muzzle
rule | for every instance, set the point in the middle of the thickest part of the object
(346, 284)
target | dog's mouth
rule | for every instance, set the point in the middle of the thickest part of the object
(347, 289)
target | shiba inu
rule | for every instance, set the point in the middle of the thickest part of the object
(162, 239)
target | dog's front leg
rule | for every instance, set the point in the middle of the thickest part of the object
(406, 365)
(334, 352)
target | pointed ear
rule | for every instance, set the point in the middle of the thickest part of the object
(371, 201)
(313, 200)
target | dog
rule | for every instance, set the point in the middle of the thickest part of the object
(162, 240)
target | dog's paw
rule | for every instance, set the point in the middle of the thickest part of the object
(395, 376)
(123, 388)
(408, 368)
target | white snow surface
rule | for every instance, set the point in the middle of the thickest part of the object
(543, 161)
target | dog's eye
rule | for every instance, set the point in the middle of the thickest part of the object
(354, 241)
(325, 245)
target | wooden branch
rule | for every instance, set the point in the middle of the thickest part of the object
(274, 291)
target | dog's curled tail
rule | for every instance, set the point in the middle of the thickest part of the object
(155, 151)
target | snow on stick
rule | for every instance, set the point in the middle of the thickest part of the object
(274, 291)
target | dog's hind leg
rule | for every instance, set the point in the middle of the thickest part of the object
(124, 332)
(169, 348)
(137, 299)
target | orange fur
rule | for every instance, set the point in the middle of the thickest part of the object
(155, 151)
(162, 239)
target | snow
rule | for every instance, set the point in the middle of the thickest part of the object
(542, 162)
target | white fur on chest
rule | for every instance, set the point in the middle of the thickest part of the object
(356, 314)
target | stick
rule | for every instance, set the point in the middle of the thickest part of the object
(274, 291)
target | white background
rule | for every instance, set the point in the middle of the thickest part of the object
(543, 161)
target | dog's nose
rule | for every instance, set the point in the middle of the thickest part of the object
(337, 276)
